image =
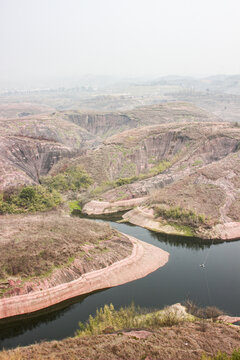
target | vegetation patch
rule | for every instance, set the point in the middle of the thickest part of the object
(47, 195)
(186, 230)
(75, 207)
(198, 163)
(223, 356)
(160, 167)
(29, 199)
(108, 319)
(184, 216)
(74, 178)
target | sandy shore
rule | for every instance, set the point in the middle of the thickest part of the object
(144, 259)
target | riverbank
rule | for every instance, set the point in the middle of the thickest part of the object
(145, 217)
(143, 260)
(135, 212)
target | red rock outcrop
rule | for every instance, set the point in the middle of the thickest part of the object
(95, 207)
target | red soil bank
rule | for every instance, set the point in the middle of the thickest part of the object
(145, 258)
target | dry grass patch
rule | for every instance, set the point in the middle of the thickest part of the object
(234, 210)
(34, 245)
(182, 342)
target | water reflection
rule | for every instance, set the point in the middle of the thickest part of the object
(17, 325)
(193, 243)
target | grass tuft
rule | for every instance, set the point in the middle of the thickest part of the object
(223, 356)
(107, 318)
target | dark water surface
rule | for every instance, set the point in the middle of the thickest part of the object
(180, 279)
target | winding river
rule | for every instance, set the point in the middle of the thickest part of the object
(181, 278)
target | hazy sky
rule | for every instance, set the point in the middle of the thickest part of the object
(70, 38)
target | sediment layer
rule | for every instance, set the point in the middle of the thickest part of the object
(144, 259)
(95, 207)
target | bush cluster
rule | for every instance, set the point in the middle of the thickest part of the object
(223, 356)
(45, 196)
(74, 178)
(159, 168)
(108, 319)
(177, 213)
(29, 199)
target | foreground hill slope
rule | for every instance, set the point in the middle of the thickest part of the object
(188, 341)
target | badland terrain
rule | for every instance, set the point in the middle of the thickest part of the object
(166, 154)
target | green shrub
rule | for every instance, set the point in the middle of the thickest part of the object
(129, 317)
(29, 199)
(223, 356)
(185, 216)
(159, 168)
(74, 178)
(75, 207)
(124, 181)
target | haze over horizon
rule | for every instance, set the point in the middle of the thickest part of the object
(46, 41)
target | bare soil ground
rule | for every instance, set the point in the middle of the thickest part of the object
(184, 342)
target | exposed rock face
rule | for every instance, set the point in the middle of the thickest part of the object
(212, 190)
(202, 175)
(137, 151)
(24, 160)
(144, 259)
(108, 123)
(104, 207)
(30, 147)
(102, 125)
(144, 217)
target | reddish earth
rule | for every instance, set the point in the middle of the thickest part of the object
(185, 342)
(143, 260)
(95, 207)
(202, 176)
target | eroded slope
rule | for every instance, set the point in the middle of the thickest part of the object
(61, 250)
(189, 171)
(31, 146)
